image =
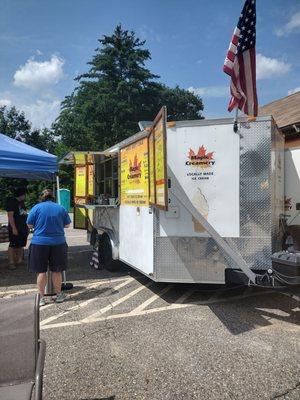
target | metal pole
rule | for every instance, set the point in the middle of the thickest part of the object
(57, 189)
(49, 288)
(235, 122)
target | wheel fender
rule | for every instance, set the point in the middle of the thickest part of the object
(93, 237)
(113, 241)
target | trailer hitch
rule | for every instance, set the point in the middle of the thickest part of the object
(274, 279)
(266, 280)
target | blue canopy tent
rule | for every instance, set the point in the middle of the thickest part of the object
(18, 160)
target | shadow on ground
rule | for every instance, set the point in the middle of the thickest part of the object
(229, 304)
(79, 270)
(261, 312)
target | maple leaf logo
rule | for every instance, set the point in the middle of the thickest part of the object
(201, 155)
(191, 153)
(135, 168)
(201, 158)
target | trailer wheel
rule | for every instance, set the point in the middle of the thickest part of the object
(105, 254)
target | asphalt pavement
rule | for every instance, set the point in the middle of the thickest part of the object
(120, 336)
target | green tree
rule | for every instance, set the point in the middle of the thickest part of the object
(41, 139)
(116, 93)
(13, 123)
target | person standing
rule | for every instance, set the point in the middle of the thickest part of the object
(48, 245)
(17, 227)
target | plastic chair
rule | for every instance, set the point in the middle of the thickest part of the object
(22, 352)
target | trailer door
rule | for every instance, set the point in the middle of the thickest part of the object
(81, 188)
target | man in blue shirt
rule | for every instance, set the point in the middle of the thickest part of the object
(48, 245)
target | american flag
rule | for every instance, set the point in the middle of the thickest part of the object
(240, 62)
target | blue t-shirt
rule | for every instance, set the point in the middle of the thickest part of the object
(48, 219)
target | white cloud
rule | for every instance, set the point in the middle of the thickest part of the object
(42, 113)
(292, 91)
(292, 25)
(270, 67)
(210, 91)
(36, 75)
(5, 102)
(148, 34)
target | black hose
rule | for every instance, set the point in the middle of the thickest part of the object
(281, 280)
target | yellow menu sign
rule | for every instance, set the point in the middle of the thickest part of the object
(160, 168)
(158, 162)
(80, 215)
(151, 169)
(134, 174)
(80, 158)
(91, 179)
(80, 181)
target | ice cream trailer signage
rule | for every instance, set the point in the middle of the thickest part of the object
(208, 168)
(134, 174)
(189, 201)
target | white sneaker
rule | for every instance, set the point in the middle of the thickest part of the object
(61, 297)
(42, 302)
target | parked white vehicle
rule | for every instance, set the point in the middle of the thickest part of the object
(188, 201)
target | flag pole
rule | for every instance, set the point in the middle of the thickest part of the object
(235, 122)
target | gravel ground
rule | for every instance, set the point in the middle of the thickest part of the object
(177, 354)
(120, 336)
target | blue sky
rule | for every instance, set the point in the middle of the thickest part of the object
(45, 44)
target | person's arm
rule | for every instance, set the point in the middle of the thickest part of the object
(11, 221)
(31, 219)
(67, 220)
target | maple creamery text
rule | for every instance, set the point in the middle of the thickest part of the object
(200, 162)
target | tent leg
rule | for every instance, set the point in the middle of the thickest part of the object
(65, 285)
(57, 189)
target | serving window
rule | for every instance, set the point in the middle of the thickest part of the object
(107, 178)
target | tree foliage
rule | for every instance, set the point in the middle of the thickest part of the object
(116, 93)
(14, 124)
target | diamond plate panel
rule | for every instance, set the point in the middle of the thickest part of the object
(179, 258)
(255, 251)
(255, 194)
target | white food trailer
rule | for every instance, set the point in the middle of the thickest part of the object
(187, 201)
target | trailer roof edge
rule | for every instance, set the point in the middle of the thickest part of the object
(220, 121)
(69, 158)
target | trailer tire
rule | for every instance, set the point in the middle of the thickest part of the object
(105, 254)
